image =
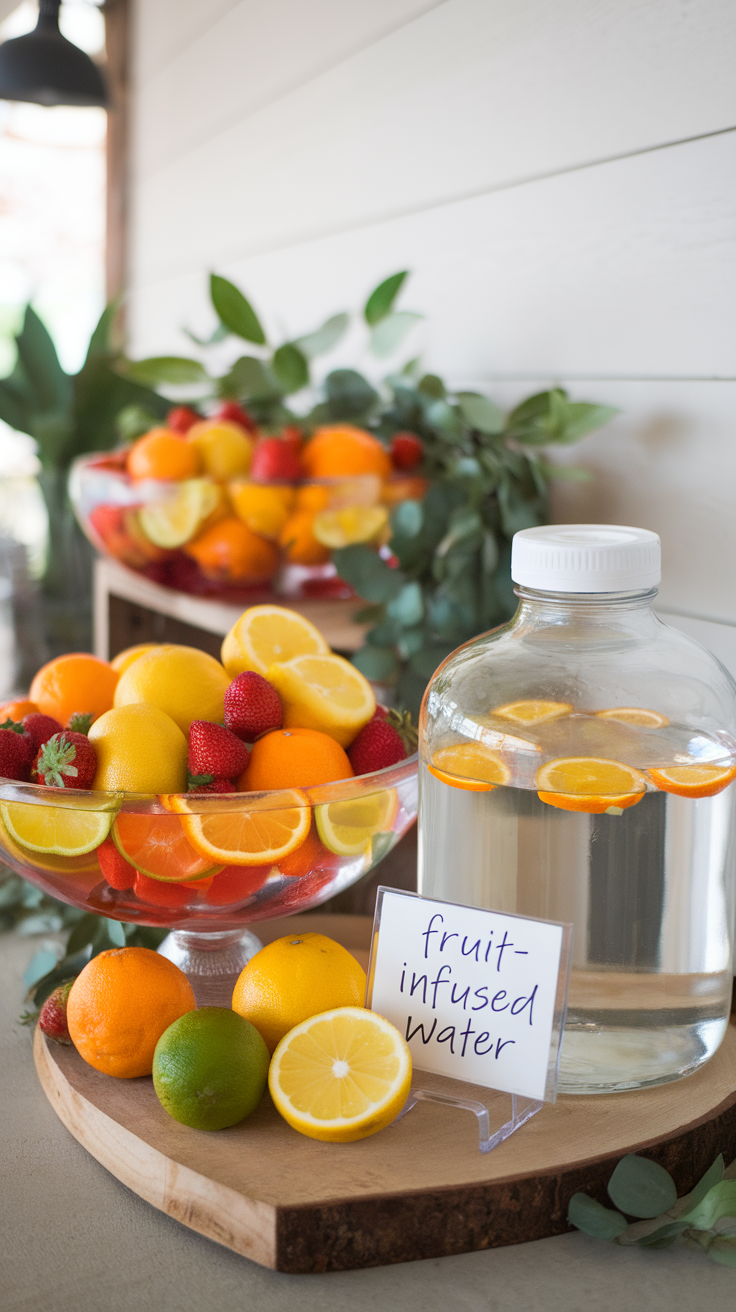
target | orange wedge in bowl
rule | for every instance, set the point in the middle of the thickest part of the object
(694, 780)
(158, 846)
(637, 716)
(255, 835)
(532, 711)
(590, 783)
(470, 766)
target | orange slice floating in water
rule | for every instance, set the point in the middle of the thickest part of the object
(532, 711)
(470, 766)
(639, 716)
(693, 780)
(158, 846)
(590, 783)
(256, 834)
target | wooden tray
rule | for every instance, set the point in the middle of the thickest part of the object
(419, 1189)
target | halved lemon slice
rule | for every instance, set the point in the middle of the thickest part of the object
(341, 1075)
(267, 635)
(341, 528)
(173, 522)
(347, 828)
(532, 711)
(639, 716)
(693, 780)
(86, 864)
(470, 766)
(325, 693)
(158, 846)
(254, 836)
(590, 783)
(57, 829)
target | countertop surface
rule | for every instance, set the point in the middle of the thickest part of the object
(76, 1240)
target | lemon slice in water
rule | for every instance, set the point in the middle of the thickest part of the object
(347, 828)
(57, 829)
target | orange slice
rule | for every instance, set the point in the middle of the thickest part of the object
(693, 780)
(639, 716)
(255, 835)
(470, 766)
(590, 783)
(532, 712)
(157, 845)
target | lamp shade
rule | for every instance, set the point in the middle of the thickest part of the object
(45, 68)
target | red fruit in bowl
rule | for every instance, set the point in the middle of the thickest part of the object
(181, 419)
(40, 728)
(16, 752)
(252, 706)
(382, 742)
(276, 460)
(163, 893)
(236, 883)
(68, 760)
(216, 786)
(214, 753)
(235, 414)
(406, 450)
(118, 872)
(52, 1021)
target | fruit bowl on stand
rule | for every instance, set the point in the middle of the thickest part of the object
(206, 866)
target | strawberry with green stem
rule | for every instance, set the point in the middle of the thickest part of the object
(68, 760)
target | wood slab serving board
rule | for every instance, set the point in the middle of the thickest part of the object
(419, 1189)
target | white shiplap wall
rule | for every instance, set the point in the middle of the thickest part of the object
(559, 175)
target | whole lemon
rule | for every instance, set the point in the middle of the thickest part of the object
(139, 750)
(210, 1068)
(182, 681)
(298, 976)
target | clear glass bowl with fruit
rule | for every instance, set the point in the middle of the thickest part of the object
(216, 509)
(166, 788)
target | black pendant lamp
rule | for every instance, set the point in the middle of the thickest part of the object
(45, 68)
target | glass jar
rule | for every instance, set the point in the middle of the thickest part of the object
(576, 765)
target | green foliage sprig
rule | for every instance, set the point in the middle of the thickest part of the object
(706, 1217)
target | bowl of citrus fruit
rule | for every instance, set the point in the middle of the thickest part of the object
(213, 507)
(168, 788)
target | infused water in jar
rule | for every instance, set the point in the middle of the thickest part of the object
(576, 765)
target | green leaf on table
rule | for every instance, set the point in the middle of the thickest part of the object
(389, 333)
(593, 1218)
(158, 369)
(323, 339)
(379, 664)
(40, 964)
(713, 1175)
(641, 1187)
(349, 394)
(290, 367)
(407, 607)
(480, 412)
(235, 311)
(719, 1201)
(380, 302)
(723, 1251)
(367, 573)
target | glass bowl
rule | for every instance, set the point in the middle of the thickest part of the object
(344, 829)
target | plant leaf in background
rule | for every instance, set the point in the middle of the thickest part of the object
(162, 369)
(349, 395)
(325, 338)
(234, 311)
(389, 332)
(380, 302)
(290, 367)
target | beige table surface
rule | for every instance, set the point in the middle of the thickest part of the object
(73, 1239)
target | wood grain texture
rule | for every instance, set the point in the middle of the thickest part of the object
(420, 1189)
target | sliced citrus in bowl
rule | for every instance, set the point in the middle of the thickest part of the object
(341, 528)
(173, 521)
(158, 846)
(323, 692)
(470, 766)
(532, 711)
(256, 834)
(590, 783)
(265, 635)
(347, 827)
(61, 830)
(341, 1075)
(693, 780)
(638, 716)
(50, 862)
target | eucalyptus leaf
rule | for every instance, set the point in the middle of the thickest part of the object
(235, 311)
(250, 380)
(407, 608)
(480, 412)
(431, 385)
(593, 1218)
(116, 933)
(444, 418)
(367, 573)
(713, 1175)
(380, 302)
(349, 394)
(723, 1251)
(380, 664)
(46, 922)
(40, 964)
(407, 518)
(719, 1201)
(218, 334)
(290, 367)
(582, 418)
(323, 340)
(389, 333)
(641, 1187)
(174, 369)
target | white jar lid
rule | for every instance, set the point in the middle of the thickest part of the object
(586, 558)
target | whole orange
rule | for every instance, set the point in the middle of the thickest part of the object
(342, 451)
(120, 1005)
(161, 454)
(294, 758)
(298, 542)
(16, 710)
(232, 552)
(78, 682)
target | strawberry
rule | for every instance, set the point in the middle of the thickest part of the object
(252, 706)
(406, 450)
(216, 786)
(68, 760)
(275, 460)
(161, 892)
(52, 1021)
(181, 419)
(16, 752)
(383, 741)
(235, 414)
(118, 872)
(40, 728)
(214, 753)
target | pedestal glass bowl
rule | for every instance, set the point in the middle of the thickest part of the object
(343, 830)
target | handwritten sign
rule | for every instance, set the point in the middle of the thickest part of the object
(478, 995)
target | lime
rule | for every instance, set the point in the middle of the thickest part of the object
(210, 1068)
(62, 830)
